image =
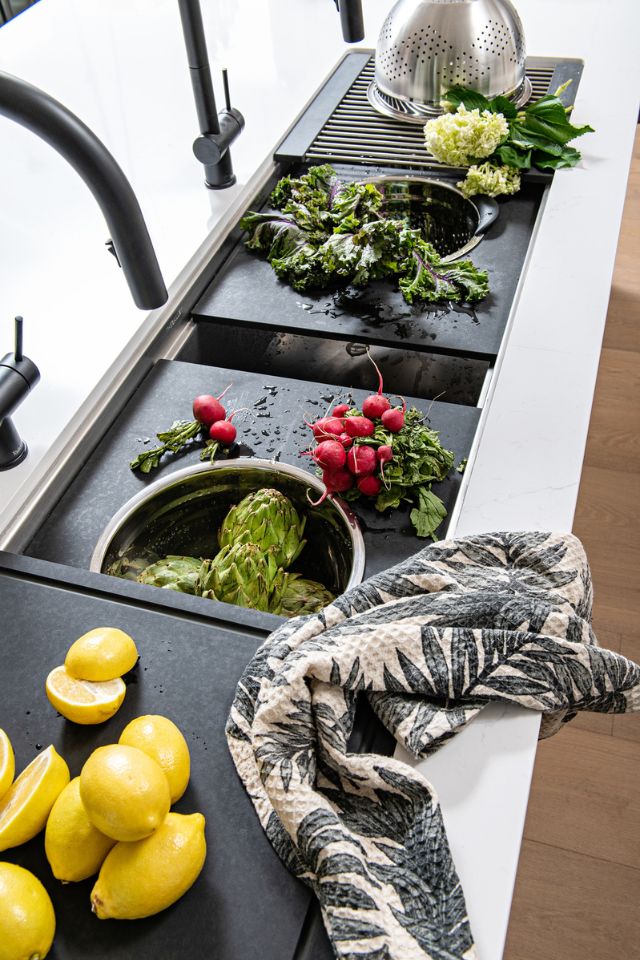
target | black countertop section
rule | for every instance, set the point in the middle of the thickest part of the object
(272, 429)
(245, 904)
(246, 291)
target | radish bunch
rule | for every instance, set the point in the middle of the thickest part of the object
(347, 450)
(212, 416)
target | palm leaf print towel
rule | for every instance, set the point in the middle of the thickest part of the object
(429, 642)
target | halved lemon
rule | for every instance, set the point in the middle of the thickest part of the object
(83, 701)
(101, 654)
(7, 763)
(27, 804)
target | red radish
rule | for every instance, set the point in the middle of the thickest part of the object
(393, 419)
(330, 454)
(208, 409)
(359, 426)
(340, 410)
(335, 481)
(361, 460)
(326, 428)
(345, 439)
(369, 485)
(384, 453)
(375, 405)
(224, 431)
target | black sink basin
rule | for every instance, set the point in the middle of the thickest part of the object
(342, 362)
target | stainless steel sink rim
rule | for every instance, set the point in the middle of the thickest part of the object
(129, 508)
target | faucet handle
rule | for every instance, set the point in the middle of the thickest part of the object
(17, 360)
(17, 351)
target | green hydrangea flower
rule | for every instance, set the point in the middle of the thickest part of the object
(464, 136)
(490, 180)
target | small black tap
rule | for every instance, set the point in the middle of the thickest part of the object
(18, 374)
(217, 130)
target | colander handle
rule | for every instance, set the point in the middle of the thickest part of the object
(488, 211)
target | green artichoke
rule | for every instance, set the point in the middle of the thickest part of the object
(129, 568)
(268, 519)
(173, 573)
(242, 574)
(300, 596)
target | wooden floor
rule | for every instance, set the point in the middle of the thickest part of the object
(578, 889)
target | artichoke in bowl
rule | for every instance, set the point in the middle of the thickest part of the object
(173, 573)
(268, 519)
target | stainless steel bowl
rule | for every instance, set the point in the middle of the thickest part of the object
(181, 513)
(446, 218)
(427, 46)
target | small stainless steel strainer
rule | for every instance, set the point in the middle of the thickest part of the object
(427, 46)
(444, 216)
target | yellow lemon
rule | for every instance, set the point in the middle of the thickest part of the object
(26, 805)
(160, 739)
(143, 878)
(7, 763)
(74, 848)
(27, 920)
(125, 793)
(81, 700)
(101, 654)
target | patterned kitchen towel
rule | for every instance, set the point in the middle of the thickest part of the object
(492, 617)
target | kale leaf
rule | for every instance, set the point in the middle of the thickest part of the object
(324, 230)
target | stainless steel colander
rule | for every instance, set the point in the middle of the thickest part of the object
(427, 46)
(445, 218)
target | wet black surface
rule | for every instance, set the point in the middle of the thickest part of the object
(244, 904)
(272, 428)
(246, 291)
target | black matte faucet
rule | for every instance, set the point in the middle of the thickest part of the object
(18, 374)
(66, 133)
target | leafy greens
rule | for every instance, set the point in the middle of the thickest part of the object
(325, 230)
(538, 135)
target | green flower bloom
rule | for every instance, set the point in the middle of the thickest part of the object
(464, 136)
(490, 180)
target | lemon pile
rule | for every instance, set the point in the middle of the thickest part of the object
(113, 820)
(88, 688)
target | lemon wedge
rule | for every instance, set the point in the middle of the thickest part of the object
(161, 740)
(101, 654)
(81, 700)
(26, 805)
(7, 763)
(27, 919)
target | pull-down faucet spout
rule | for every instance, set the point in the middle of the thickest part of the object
(73, 140)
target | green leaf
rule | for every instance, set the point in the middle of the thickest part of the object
(568, 158)
(429, 513)
(471, 99)
(513, 156)
(506, 107)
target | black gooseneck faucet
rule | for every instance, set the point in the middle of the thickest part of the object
(73, 140)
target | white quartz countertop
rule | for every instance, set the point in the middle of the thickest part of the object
(121, 67)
